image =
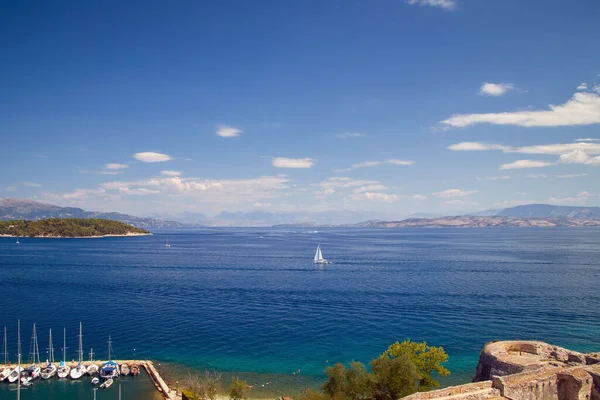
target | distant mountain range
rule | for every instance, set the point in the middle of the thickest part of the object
(467, 221)
(11, 209)
(542, 215)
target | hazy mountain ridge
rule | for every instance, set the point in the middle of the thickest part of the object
(549, 211)
(466, 221)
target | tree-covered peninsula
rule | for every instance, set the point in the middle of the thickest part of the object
(68, 227)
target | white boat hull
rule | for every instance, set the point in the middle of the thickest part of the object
(95, 381)
(48, 372)
(92, 369)
(5, 373)
(63, 372)
(14, 374)
(107, 383)
(77, 372)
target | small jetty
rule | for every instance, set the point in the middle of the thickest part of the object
(148, 365)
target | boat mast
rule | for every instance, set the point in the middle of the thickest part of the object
(19, 359)
(50, 349)
(91, 354)
(65, 344)
(5, 349)
(37, 347)
(80, 345)
(109, 347)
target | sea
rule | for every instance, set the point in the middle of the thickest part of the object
(250, 302)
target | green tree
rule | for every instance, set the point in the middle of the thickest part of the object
(335, 387)
(359, 383)
(238, 389)
(394, 377)
(426, 359)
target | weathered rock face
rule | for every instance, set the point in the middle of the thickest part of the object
(513, 357)
(527, 370)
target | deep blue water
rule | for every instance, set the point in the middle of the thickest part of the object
(251, 299)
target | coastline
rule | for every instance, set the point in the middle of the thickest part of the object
(129, 234)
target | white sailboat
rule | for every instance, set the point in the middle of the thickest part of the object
(319, 257)
(15, 374)
(167, 244)
(50, 370)
(93, 368)
(5, 371)
(34, 370)
(18, 240)
(79, 370)
(63, 368)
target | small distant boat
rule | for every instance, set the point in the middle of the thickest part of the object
(95, 380)
(319, 257)
(167, 244)
(135, 370)
(124, 369)
(14, 374)
(107, 383)
(18, 240)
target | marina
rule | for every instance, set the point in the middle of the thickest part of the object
(146, 373)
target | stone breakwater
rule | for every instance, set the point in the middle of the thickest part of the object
(527, 370)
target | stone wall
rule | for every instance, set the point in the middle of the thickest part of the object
(527, 370)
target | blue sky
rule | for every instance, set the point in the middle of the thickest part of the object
(398, 106)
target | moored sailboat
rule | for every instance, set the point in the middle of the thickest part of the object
(110, 369)
(63, 368)
(50, 370)
(124, 369)
(5, 371)
(318, 259)
(79, 370)
(34, 370)
(93, 368)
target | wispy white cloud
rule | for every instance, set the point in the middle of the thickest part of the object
(582, 86)
(10, 188)
(568, 200)
(525, 164)
(582, 109)
(150, 156)
(454, 193)
(448, 5)
(384, 197)
(566, 176)
(349, 135)
(78, 194)
(370, 188)
(493, 178)
(228, 131)
(114, 166)
(283, 162)
(459, 202)
(367, 164)
(495, 89)
(170, 172)
(536, 176)
(587, 140)
(32, 184)
(569, 153)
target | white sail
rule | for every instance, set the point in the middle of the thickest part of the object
(319, 257)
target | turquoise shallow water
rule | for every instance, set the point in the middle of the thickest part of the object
(251, 300)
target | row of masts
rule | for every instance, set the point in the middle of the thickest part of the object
(34, 353)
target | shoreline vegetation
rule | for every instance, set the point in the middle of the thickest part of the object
(75, 228)
(403, 369)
